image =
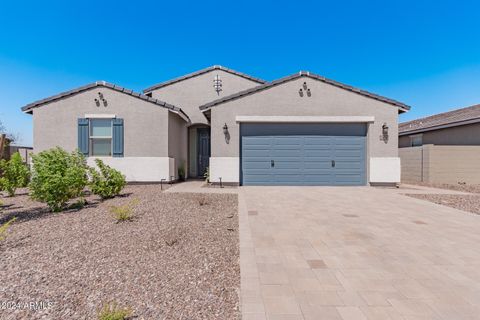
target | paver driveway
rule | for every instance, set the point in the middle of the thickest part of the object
(355, 253)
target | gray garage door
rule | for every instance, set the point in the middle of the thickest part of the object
(303, 154)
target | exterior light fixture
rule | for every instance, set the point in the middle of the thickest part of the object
(384, 135)
(300, 92)
(97, 102)
(226, 133)
(309, 93)
(305, 85)
(100, 95)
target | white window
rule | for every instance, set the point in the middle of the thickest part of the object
(416, 141)
(100, 137)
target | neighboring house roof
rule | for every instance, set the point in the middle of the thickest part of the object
(443, 120)
(200, 72)
(28, 108)
(403, 107)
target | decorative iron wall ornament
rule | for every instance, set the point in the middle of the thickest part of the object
(217, 84)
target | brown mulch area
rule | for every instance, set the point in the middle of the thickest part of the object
(177, 259)
(469, 203)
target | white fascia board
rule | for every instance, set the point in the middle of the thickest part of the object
(305, 119)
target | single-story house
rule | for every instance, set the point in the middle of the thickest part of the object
(460, 127)
(442, 148)
(303, 129)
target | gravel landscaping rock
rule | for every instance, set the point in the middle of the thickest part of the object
(177, 259)
(469, 203)
(470, 188)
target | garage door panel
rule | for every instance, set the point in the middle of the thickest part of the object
(303, 159)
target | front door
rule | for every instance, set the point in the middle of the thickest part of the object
(203, 149)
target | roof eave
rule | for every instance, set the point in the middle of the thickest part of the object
(401, 106)
(439, 127)
(200, 72)
(28, 109)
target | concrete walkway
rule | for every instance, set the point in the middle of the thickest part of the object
(199, 186)
(355, 253)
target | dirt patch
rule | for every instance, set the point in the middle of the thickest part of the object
(469, 188)
(176, 259)
(469, 203)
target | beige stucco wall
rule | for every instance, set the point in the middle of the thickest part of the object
(325, 100)
(441, 164)
(191, 93)
(145, 124)
(411, 160)
(461, 136)
(177, 141)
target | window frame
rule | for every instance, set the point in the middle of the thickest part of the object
(91, 137)
(416, 136)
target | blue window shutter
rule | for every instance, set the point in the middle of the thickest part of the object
(83, 136)
(117, 137)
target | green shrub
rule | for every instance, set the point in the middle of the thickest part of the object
(206, 175)
(4, 228)
(112, 311)
(106, 182)
(57, 177)
(15, 174)
(181, 172)
(124, 212)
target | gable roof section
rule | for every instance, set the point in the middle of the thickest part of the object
(29, 107)
(443, 120)
(402, 107)
(200, 72)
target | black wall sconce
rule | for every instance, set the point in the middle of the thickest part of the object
(384, 135)
(226, 133)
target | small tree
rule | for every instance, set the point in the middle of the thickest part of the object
(14, 174)
(106, 182)
(57, 177)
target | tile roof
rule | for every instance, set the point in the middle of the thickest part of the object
(403, 107)
(28, 108)
(446, 119)
(200, 72)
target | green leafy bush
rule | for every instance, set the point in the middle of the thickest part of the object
(106, 182)
(57, 177)
(112, 311)
(14, 174)
(206, 175)
(4, 228)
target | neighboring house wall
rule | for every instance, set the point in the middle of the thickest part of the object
(461, 135)
(284, 100)
(189, 94)
(441, 164)
(146, 154)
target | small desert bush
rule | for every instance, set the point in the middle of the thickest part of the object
(4, 228)
(14, 174)
(124, 212)
(113, 311)
(106, 182)
(202, 200)
(57, 176)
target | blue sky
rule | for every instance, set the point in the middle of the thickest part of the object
(423, 53)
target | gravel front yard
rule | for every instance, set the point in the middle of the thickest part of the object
(469, 203)
(470, 188)
(178, 258)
